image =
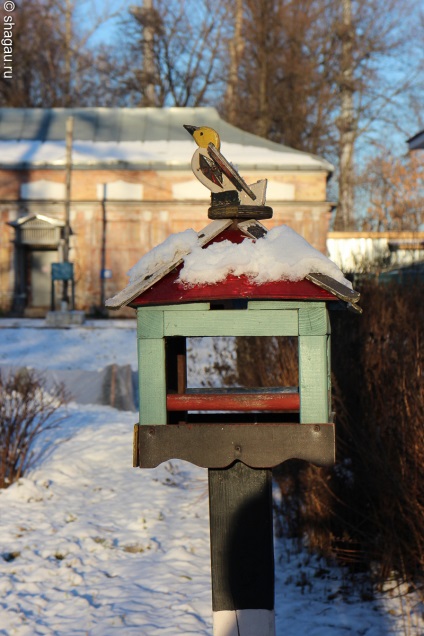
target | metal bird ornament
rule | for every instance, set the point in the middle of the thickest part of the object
(231, 196)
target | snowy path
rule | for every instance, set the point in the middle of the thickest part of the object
(91, 545)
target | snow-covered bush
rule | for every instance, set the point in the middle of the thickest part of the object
(27, 410)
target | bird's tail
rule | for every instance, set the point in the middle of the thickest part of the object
(259, 189)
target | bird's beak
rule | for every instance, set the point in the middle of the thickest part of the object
(190, 129)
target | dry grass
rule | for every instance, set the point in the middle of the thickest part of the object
(379, 387)
(368, 510)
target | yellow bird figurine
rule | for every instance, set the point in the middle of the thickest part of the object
(216, 173)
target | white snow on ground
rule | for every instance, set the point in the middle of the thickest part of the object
(89, 545)
(88, 348)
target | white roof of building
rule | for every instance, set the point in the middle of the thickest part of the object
(134, 138)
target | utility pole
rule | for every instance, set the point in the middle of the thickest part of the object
(67, 228)
(103, 250)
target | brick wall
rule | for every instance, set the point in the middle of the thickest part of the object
(134, 227)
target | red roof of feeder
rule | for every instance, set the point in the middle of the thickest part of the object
(163, 287)
(168, 290)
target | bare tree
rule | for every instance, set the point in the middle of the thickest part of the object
(380, 62)
(325, 76)
(393, 192)
(53, 63)
(285, 88)
(151, 27)
(175, 50)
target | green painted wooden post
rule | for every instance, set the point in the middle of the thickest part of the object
(314, 364)
(151, 366)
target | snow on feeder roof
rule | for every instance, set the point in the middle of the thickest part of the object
(222, 262)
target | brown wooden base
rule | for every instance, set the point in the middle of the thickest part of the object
(220, 445)
(231, 211)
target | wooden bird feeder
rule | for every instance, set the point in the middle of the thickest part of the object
(239, 435)
(168, 314)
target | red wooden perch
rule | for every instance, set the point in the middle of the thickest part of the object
(287, 401)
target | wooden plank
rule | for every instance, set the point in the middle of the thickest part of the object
(241, 525)
(252, 228)
(149, 323)
(151, 378)
(283, 304)
(231, 323)
(313, 320)
(220, 445)
(136, 288)
(313, 379)
(181, 307)
(241, 389)
(335, 287)
(136, 445)
(288, 402)
(331, 413)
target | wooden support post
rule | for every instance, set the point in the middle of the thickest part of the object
(242, 551)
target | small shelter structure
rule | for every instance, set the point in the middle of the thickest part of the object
(38, 239)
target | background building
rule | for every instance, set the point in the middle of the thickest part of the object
(363, 252)
(131, 187)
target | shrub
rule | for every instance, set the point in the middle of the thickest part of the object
(379, 385)
(27, 410)
(368, 510)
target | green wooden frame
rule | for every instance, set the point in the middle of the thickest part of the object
(308, 321)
